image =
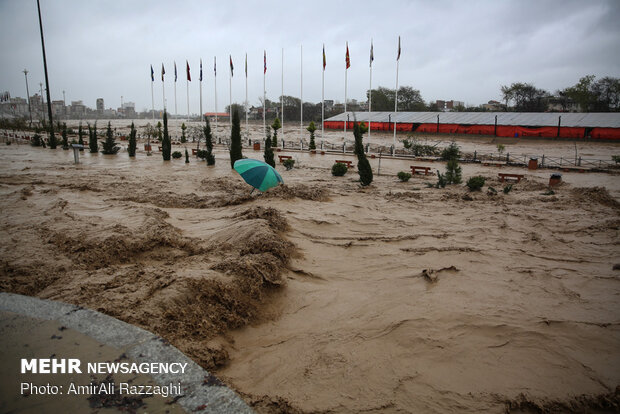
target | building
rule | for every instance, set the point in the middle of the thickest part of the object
(494, 106)
(100, 107)
(446, 106)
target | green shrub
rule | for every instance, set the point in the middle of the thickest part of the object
(268, 154)
(339, 169)
(166, 144)
(276, 125)
(404, 176)
(208, 142)
(289, 164)
(548, 192)
(507, 188)
(235, 140)
(202, 154)
(453, 172)
(616, 158)
(441, 180)
(132, 141)
(451, 152)
(363, 166)
(186, 156)
(475, 183)
(177, 155)
(109, 145)
(311, 128)
(36, 140)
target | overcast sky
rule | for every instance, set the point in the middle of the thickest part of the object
(461, 50)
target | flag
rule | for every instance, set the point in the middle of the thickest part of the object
(246, 65)
(372, 55)
(398, 58)
(324, 58)
(189, 78)
(265, 59)
(152, 74)
(215, 65)
(347, 59)
(231, 66)
(163, 71)
(175, 71)
(200, 70)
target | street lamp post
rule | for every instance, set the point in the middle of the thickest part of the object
(28, 95)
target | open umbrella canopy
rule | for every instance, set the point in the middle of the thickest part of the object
(258, 174)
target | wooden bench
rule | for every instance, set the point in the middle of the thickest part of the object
(194, 151)
(348, 163)
(504, 176)
(416, 168)
(495, 163)
(284, 157)
(160, 148)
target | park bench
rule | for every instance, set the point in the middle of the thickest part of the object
(348, 163)
(416, 168)
(284, 157)
(505, 176)
(495, 163)
(160, 148)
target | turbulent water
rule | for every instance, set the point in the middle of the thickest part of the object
(322, 296)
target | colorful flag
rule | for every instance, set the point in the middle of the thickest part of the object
(372, 55)
(398, 58)
(265, 59)
(189, 78)
(200, 70)
(231, 66)
(347, 58)
(175, 71)
(152, 74)
(324, 58)
(163, 71)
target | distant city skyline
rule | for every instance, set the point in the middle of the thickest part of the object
(451, 50)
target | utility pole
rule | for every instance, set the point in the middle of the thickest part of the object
(28, 95)
(47, 83)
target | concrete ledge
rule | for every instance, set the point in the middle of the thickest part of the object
(203, 393)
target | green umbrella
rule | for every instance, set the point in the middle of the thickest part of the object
(258, 174)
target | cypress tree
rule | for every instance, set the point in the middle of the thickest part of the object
(65, 140)
(132, 141)
(109, 145)
(92, 139)
(269, 158)
(235, 140)
(80, 135)
(276, 125)
(453, 172)
(311, 128)
(208, 142)
(363, 166)
(183, 137)
(166, 145)
(186, 156)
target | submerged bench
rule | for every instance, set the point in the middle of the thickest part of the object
(416, 168)
(495, 163)
(284, 157)
(504, 176)
(348, 163)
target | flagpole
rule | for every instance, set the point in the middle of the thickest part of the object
(301, 87)
(200, 83)
(370, 89)
(247, 129)
(176, 113)
(163, 86)
(230, 75)
(264, 93)
(323, 98)
(152, 99)
(282, 98)
(396, 97)
(345, 91)
(215, 89)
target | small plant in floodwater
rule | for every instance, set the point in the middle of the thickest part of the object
(186, 156)
(491, 191)
(507, 188)
(616, 158)
(548, 192)
(475, 183)
(441, 180)
(339, 169)
(289, 164)
(404, 176)
(176, 155)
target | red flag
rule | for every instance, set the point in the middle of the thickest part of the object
(347, 59)
(265, 59)
(324, 58)
(189, 78)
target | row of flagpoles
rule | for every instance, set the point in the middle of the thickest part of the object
(347, 66)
